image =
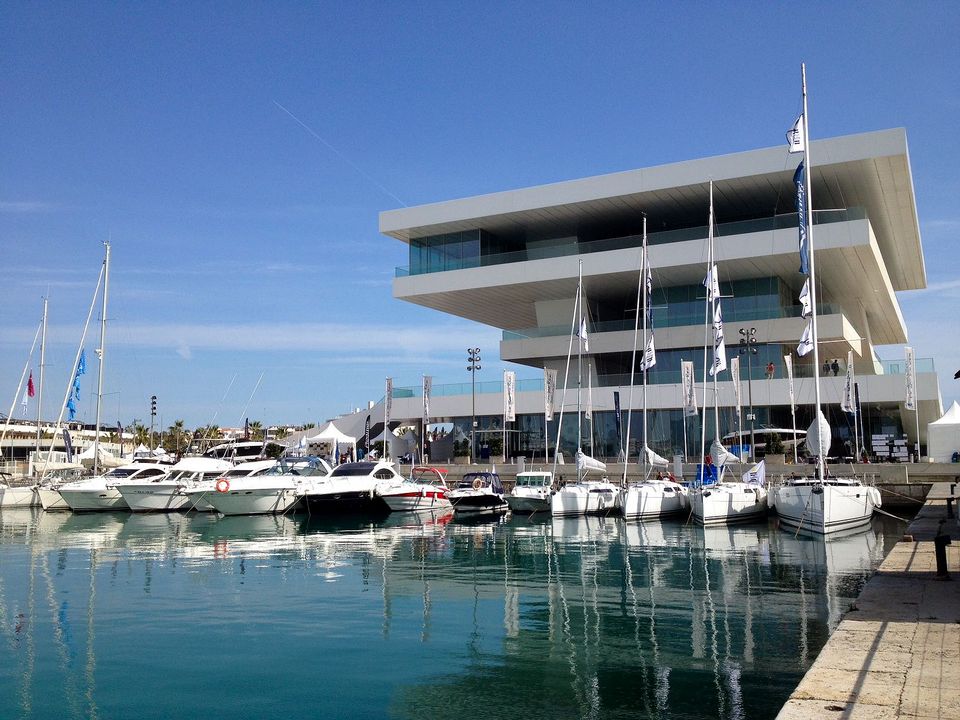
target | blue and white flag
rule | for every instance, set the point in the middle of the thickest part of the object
(795, 136)
(712, 283)
(806, 305)
(75, 391)
(801, 203)
(757, 475)
(649, 355)
(719, 348)
(582, 334)
(806, 340)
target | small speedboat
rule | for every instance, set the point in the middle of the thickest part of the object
(532, 492)
(479, 492)
(425, 489)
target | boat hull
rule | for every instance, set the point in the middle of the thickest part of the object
(157, 497)
(51, 500)
(528, 504)
(825, 509)
(415, 501)
(19, 497)
(652, 500)
(344, 502)
(728, 504)
(585, 499)
(469, 502)
(265, 501)
(93, 499)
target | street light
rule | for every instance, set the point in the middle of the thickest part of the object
(748, 347)
(153, 414)
(474, 359)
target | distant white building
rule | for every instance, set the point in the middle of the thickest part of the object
(509, 260)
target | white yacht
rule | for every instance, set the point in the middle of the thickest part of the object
(532, 492)
(478, 492)
(653, 498)
(17, 495)
(169, 492)
(264, 487)
(101, 493)
(425, 489)
(729, 502)
(351, 488)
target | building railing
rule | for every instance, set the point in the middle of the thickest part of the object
(663, 318)
(565, 249)
(654, 377)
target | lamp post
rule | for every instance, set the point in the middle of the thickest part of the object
(153, 414)
(748, 347)
(473, 358)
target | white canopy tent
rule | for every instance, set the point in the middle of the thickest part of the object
(943, 435)
(330, 441)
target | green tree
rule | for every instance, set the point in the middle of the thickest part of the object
(141, 434)
(257, 430)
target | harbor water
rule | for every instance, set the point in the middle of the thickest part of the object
(193, 615)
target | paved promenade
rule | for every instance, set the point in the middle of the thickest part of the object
(897, 653)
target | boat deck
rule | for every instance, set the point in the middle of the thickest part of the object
(896, 654)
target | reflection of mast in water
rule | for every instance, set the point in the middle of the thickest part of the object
(91, 665)
(61, 636)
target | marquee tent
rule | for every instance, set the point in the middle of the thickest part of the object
(943, 435)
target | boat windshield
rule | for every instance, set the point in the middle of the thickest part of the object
(353, 469)
(482, 479)
(121, 472)
(532, 480)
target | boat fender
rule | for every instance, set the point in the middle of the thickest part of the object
(223, 485)
(477, 484)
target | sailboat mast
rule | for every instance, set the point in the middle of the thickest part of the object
(100, 353)
(633, 355)
(706, 336)
(578, 308)
(43, 351)
(813, 281)
(643, 280)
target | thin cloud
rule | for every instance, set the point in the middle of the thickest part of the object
(25, 206)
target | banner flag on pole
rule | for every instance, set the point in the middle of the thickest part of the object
(617, 415)
(649, 355)
(801, 204)
(911, 380)
(366, 434)
(757, 475)
(806, 307)
(719, 348)
(30, 389)
(509, 396)
(735, 376)
(588, 413)
(68, 445)
(847, 403)
(788, 362)
(582, 334)
(712, 283)
(24, 400)
(806, 340)
(427, 387)
(649, 287)
(549, 392)
(387, 403)
(689, 397)
(795, 136)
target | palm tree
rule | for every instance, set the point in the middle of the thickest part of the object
(177, 438)
(141, 434)
(256, 430)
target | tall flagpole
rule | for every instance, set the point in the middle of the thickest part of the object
(706, 337)
(43, 352)
(807, 175)
(646, 300)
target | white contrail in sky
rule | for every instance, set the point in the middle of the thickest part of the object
(339, 154)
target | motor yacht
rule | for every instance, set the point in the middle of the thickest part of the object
(169, 493)
(100, 492)
(478, 492)
(532, 492)
(264, 487)
(351, 488)
(425, 489)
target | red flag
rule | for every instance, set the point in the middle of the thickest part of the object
(30, 392)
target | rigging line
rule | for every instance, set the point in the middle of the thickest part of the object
(250, 399)
(339, 154)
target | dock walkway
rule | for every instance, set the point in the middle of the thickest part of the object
(896, 654)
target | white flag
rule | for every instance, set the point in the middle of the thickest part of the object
(735, 376)
(806, 340)
(387, 403)
(549, 392)
(589, 411)
(649, 355)
(509, 396)
(719, 348)
(582, 334)
(910, 402)
(795, 136)
(686, 381)
(757, 475)
(788, 362)
(427, 386)
(847, 402)
(806, 308)
(712, 283)
(24, 401)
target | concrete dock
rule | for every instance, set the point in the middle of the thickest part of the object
(896, 654)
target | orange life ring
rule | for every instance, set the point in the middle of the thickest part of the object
(477, 483)
(223, 485)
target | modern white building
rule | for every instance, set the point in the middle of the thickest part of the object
(510, 259)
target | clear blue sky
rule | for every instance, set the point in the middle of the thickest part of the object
(245, 245)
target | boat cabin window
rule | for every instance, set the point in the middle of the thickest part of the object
(383, 474)
(353, 469)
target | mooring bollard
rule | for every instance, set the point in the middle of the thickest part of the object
(940, 543)
(950, 507)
